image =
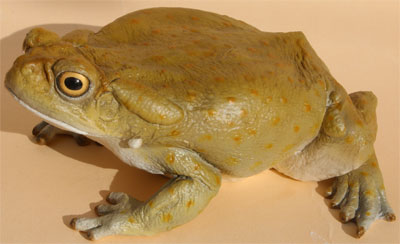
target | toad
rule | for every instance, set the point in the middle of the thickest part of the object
(195, 95)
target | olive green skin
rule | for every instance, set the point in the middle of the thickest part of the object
(247, 101)
(236, 99)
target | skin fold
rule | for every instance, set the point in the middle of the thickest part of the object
(194, 95)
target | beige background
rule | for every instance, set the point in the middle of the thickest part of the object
(43, 187)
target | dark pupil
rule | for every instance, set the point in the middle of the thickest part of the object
(73, 83)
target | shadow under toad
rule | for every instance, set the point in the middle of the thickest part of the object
(16, 119)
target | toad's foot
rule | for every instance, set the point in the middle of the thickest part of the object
(110, 216)
(44, 133)
(360, 195)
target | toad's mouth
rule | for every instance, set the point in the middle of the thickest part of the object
(54, 122)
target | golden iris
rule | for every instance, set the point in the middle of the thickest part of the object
(72, 84)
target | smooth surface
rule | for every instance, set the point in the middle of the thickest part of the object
(42, 187)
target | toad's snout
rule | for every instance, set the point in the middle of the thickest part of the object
(26, 74)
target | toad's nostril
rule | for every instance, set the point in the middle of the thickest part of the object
(28, 69)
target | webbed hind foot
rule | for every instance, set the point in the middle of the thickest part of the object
(360, 196)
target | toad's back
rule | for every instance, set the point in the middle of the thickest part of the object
(250, 98)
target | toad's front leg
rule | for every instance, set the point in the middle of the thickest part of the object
(360, 195)
(195, 183)
(44, 133)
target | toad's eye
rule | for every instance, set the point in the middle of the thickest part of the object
(72, 84)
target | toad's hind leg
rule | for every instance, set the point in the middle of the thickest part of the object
(360, 194)
(345, 140)
(344, 149)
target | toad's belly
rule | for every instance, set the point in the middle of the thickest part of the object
(244, 138)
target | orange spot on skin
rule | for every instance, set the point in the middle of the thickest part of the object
(252, 131)
(231, 124)
(251, 49)
(207, 137)
(322, 83)
(190, 203)
(268, 146)
(134, 21)
(218, 179)
(302, 81)
(255, 165)
(162, 116)
(170, 158)
(243, 112)
(171, 190)
(364, 173)
(167, 217)
(296, 128)
(254, 92)
(276, 120)
(151, 203)
(194, 18)
(231, 99)
(156, 31)
(283, 100)
(211, 112)
(265, 43)
(237, 139)
(219, 79)
(359, 122)
(307, 107)
(349, 139)
(368, 213)
(131, 220)
(368, 193)
(175, 133)
(290, 79)
(288, 147)
(374, 164)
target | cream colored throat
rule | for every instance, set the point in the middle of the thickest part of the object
(54, 122)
